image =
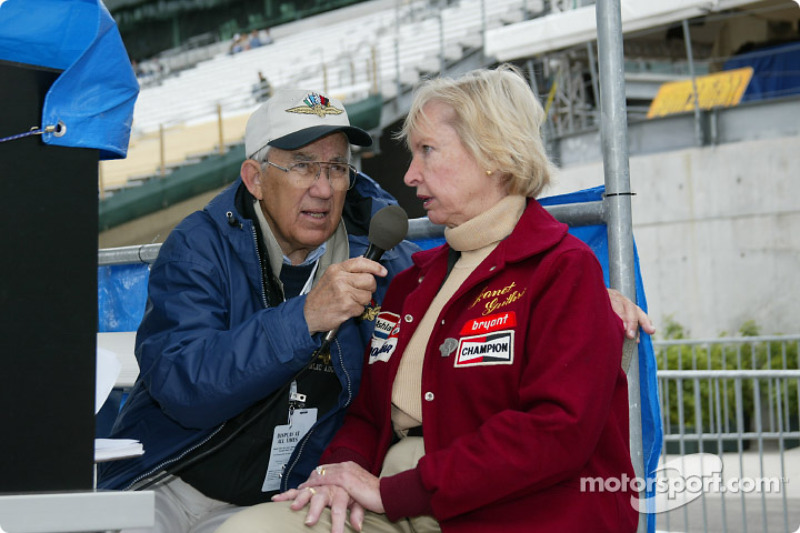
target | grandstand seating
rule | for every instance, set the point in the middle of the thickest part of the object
(327, 51)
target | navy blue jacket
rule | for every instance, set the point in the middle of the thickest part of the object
(209, 346)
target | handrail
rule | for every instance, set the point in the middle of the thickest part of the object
(728, 374)
(724, 340)
(577, 214)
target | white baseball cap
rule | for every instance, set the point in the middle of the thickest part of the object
(292, 119)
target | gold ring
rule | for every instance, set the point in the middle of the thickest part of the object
(320, 471)
(311, 490)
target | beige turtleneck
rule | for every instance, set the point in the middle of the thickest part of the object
(475, 239)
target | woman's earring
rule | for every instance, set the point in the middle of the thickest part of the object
(488, 172)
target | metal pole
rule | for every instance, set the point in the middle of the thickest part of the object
(529, 66)
(593, 72)
(374, 70)
(101, 182)
(687, 38)
(220, 130)
(398, 84)
(441, 42)
(483, 28)
(614, 136)
(162, 158)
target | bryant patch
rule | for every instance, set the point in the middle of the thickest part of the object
(492, 349)
(384, 337)
(490, 323)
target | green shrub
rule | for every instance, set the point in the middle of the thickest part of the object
(714, 413)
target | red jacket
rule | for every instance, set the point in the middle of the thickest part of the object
(525, 400)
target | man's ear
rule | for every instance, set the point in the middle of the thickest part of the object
(251, 176)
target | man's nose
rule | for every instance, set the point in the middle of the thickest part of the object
(322, 186)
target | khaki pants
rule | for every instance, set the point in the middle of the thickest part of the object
(180, 508)
(279, 518)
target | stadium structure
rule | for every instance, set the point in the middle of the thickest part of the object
(705, 174)
(712, 96)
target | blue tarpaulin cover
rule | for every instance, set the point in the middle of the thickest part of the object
(652, 432)
(122, 293)
(94, 95)
(776, 71)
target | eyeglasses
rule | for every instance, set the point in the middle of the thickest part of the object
(303, 174)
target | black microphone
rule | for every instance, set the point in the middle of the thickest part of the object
(386, 229)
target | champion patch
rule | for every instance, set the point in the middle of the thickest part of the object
(490, 323)
(492, 349)
(384, 337)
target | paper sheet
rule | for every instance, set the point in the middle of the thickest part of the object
(109, 449)
(108, 367)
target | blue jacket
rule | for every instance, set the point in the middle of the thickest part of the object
(209, 346)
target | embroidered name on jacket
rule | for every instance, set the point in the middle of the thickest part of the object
(384, 337)
(493, 349)
(494, 299)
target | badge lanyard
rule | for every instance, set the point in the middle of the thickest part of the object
(310, 280)
(300, 420)
(286, 436)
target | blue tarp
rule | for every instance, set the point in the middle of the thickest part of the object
(776, 71)
(93, 98)
(122, 292)
(121, 296)
(652, 432)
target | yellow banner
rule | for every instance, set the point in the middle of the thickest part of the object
(722, 89)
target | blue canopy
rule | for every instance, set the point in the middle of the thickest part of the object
(93, 97)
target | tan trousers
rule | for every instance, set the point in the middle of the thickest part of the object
(279, 518)
(180, 508)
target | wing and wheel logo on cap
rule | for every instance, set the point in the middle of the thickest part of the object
(316, 104)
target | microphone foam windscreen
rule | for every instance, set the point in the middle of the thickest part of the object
(388, 227)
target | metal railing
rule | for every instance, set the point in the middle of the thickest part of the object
(577, 214)
(736, 398)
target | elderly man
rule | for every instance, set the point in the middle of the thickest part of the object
(233, 402)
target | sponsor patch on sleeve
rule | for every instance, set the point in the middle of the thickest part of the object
(491, 349)
(384, 337)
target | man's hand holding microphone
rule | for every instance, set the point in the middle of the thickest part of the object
(346, 288)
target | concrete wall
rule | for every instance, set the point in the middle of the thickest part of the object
(717, 233)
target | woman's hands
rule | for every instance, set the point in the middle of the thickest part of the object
(342, 487)
(631, 314)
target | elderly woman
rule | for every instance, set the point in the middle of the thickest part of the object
(493, 386)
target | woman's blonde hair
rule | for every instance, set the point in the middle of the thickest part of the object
(498, 118)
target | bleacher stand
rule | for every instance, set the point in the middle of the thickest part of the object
(343, 52)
